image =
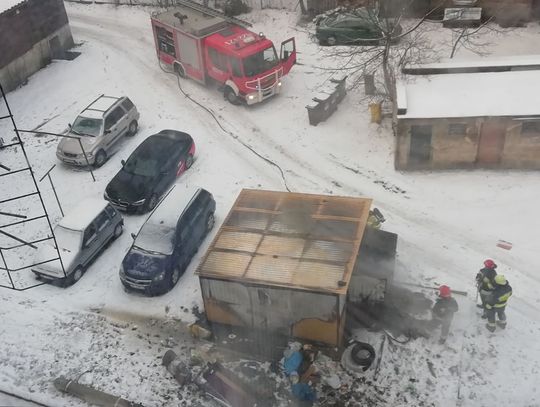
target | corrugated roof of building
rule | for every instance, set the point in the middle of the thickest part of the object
(284, 239)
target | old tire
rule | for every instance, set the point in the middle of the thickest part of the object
(358, 357)
(363, 354)
(133, 127)
(231, 96)
(100, 159)
(189, 161)
(331, 40)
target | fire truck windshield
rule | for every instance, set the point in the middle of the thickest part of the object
(260, 62)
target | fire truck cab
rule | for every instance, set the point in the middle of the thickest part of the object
(203, 44)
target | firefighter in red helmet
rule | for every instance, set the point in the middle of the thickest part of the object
(485, 282)
(443, 311)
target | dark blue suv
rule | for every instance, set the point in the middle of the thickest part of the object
(167, 241)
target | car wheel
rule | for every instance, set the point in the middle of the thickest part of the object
(189, 162)
(331, 40)
(231, 96)
(133, 126)
(175, 276)
(179, 70)
(118, 231)
(152, 202)
(74, 277)
(100, 159)
(210, 222)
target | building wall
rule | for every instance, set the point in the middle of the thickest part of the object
(290, 312)
(26, 31)
(520, 151)
(19, 70)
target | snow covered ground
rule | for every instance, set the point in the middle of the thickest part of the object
(448, 222)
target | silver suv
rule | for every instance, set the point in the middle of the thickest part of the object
(100, 127)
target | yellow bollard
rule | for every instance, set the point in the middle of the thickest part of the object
(376, 113)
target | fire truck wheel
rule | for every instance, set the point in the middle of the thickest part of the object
(231, 96)
(179, 70)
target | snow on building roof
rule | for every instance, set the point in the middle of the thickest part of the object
(7, 4)
(448, 66)
(84, 213)
(470, 95)
(285, 239)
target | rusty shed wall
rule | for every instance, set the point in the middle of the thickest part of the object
(308, 315)
(520, 151)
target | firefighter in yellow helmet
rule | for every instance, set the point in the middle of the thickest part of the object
(496, 303)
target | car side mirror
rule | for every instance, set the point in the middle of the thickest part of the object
(123, 162)
(133, 236)
(69, 125)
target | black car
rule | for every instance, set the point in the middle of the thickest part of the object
(150, 170)
(167, 241)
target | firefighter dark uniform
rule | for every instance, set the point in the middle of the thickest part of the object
(496, 303)
(485, 282)
(443, 311)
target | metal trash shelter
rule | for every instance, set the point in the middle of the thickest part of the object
(281, 264)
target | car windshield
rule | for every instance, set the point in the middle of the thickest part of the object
(85, 126)
(68, 239)
(155, 239)
(260, 62)
(143, 166)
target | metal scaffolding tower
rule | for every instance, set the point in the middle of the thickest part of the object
(24, 220)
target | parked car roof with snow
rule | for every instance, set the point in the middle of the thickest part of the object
(84, 213)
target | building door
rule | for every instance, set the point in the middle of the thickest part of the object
(420, 149)
(491, 144)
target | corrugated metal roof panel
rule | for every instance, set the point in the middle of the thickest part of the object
(239, 241)
(291, 240)
(225, 264)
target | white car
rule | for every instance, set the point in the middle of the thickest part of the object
(80, 236)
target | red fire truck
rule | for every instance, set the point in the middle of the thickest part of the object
(203, 44)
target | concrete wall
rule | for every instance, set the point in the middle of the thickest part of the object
(460, 151)
(19, 70)
(289, 312)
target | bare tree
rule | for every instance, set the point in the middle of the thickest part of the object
(475, 39)
(399, 42)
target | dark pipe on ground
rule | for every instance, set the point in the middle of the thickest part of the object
(91, 395)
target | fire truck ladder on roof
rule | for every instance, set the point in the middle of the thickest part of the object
(213, 12)
(20, 240)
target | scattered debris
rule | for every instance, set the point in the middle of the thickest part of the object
(503, 244)
(91, 395)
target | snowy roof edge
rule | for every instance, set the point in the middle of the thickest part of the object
(8, 5)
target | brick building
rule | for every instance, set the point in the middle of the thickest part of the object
(33, 32)
(470, 115)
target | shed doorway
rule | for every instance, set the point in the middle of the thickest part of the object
(491, 144)
(420, 149)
